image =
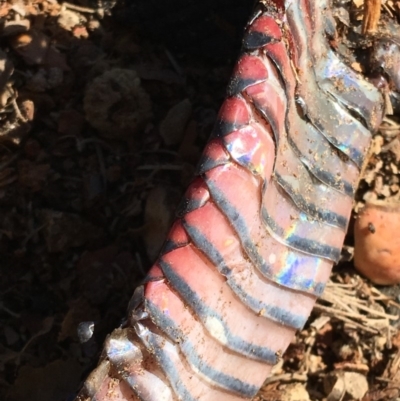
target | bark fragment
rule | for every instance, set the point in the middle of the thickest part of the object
(372, 14)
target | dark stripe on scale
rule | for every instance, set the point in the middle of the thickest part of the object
(326, 216)
(206, 163)
(269, 117)
(239, 84)
(302, 244)
(275, 313)
(134, 385)
(348, 151)
(223, 128)
(155, 345)
(355, 154)
(170, 246)
(238, 223)
(254, 40)
(188, 205)
(227, 382)
(324, 176)
(234, 342)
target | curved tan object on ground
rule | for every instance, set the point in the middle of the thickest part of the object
(377, 242)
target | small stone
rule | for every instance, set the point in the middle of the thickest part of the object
(380, 342)
(85, 331)
(357, 67)
(80, 32)
(19, 8)
(377, 254)
(27, 108)
(378, 185)
(315, 364)
(346, 351)
(295, 392)
(94, 24)
(69, 19)
(395, 149)
(376, 145)
(320, 322)
(394, 188)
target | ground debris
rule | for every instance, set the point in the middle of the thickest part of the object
(345, 386)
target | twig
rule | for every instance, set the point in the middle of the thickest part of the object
(347, 305)
(18, 111)
(78, 8)
(287, 377)
(372, 311)
(335, 313)
(385, 380)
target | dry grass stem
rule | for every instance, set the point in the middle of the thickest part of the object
(351, 305)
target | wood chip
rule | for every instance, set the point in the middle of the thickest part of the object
(372, 14)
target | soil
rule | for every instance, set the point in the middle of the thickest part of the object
(105, 107)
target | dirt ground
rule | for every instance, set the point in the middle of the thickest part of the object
(105, 107)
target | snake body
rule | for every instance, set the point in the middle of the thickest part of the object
(260, 226)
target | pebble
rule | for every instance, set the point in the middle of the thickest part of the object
(377, 243)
